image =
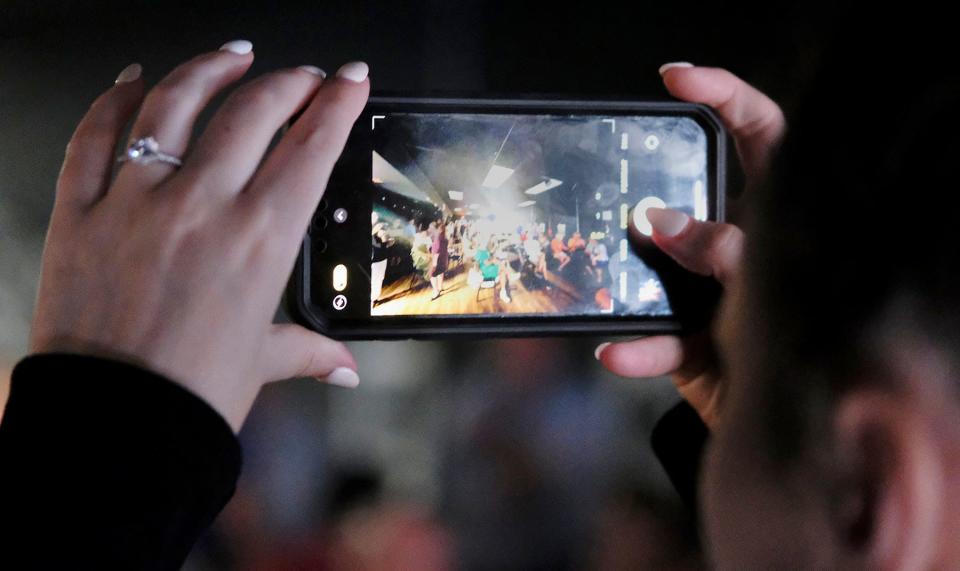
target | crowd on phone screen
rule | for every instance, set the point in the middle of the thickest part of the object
(535, 255)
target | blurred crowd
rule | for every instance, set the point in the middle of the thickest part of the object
(516, 454)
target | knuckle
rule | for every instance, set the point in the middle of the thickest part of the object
(338, 98)
(307, 364)
(724, 248)
(254, 97)
(196, 67)
(267, 91)
(166, 95)
(258, 221)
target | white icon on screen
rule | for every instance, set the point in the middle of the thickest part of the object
(340, 277)
(651, 142)
(640, 214)
(340, 302)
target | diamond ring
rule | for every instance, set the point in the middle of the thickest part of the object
(145, 151)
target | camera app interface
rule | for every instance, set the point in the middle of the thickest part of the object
(481, 214)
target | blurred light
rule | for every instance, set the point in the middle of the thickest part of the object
(623, 285)
(623, 250)
(651, 142)
(624, 216)
(497, 176)
(526, 203)
(544, 186)
(623, 175)
(624, 141)
(597, 196)
(455, 194)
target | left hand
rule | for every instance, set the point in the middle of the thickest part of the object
(180, 270)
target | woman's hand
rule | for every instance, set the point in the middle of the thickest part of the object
(180, 270)
(705, 248)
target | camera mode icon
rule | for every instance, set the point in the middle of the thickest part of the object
(340, 302)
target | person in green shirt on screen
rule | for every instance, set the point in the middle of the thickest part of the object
(490, 270)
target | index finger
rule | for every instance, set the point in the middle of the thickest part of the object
(294, 176)
(755, 121)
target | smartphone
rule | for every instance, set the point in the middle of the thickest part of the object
(491, 217)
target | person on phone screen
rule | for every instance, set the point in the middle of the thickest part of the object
(559, 250)
(440, 256)
(381, 253)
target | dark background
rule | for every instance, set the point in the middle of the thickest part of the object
(503, 454)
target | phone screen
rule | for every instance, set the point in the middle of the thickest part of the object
(496, 214)
(505, 217)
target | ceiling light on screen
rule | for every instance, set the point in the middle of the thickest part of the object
(497, 176)
(455, 194)
(544, 186)
(526, 203)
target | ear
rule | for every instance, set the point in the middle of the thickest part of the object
(890, 508)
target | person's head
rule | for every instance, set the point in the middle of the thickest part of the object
(839, 444)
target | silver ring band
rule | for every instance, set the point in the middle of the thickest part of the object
(145, 151)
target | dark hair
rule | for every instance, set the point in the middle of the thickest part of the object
(853, 236)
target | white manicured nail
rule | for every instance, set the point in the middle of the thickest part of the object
(599, 350)
(673, 64)
(667, 221)
(239, 47)
(130, 73)
(314, 70)
(343, 377)
(355, 71)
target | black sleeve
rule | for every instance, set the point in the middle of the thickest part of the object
(104, 465)
(679, 439)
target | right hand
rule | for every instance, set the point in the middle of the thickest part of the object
(706, 248)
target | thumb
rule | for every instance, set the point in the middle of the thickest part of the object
(705, 248)
(294, 351)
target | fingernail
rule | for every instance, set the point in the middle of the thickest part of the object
(599, 350)
(130, 73)
(343, 377)
(239, 47)
(673, 64)
(667, 221)
(355, 71)
(314, 70)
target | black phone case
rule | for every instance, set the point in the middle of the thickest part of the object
(700, 294)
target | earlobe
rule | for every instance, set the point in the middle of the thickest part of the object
(892, 509)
